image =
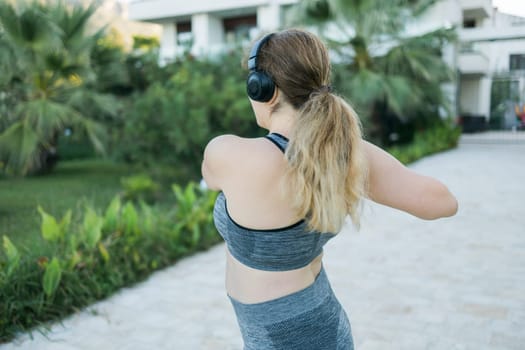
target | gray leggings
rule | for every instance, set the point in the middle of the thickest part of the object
(311, 318)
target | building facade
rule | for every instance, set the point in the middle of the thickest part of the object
(491, 44)
(208, 25)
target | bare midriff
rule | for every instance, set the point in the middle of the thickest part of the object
(248, 285)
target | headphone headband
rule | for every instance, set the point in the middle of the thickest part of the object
(252, 59)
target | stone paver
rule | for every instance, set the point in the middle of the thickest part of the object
(456, 283)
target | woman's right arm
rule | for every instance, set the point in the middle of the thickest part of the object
(392, 184)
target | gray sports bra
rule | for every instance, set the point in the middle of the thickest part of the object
(278, 249)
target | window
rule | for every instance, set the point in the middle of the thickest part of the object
(517, 62)
(469, 23)
(184, 35)
(238, 28)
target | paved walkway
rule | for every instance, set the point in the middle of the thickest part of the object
(456, 283)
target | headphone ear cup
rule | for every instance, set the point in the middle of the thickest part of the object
(260, 87)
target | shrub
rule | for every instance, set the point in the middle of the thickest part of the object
(89, 255)
(439, 138)
(172, 121)
(140, 187)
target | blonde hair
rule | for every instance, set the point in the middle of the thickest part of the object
(326, 172)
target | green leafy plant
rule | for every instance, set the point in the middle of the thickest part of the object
(437, 139)
(194, 214)
(111, 217)
(395, 85)
(52, 276)
(12, 254)
(140, 187)
(195, 100)
(130, 220)
(47, 81)
(91, 228)
(88, 256)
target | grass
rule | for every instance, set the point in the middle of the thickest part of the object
(70, 185)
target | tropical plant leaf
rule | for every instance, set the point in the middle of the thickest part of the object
(12, 254)
(148, 217)
(52, 277)
(111, 217)
(29, 27)
(19, 146)
(74, 260)
(401, 95)
(46, 116)
(45, 52)
(65, 222)
(92, 228)
(103, 252)
(130, 219)
(49, 228)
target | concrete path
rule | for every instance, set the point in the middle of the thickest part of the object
(456, 283)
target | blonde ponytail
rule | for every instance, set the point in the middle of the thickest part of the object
(326, 171)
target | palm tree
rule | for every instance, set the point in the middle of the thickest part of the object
(392, 78)
(47, 84)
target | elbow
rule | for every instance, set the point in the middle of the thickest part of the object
(444, 211)
(435, 201)
(442, 204)
(453, 207)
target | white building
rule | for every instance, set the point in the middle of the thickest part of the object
(491, 44)
(209, 24)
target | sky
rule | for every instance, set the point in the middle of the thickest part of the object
(513, 7)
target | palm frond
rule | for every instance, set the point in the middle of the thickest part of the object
(29, 28)
(94, 105)
(401, 95)
(19, 147)
(94, 131)
(45, 117)
(7, 61)
(365, 87)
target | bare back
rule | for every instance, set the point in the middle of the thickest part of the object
(255, 169)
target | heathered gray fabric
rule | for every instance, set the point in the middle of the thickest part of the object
(271, 250)
(310, 319)
(279, 249)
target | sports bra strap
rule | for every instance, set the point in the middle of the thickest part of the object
(278, 140)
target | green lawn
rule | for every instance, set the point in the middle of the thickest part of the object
(70, 185)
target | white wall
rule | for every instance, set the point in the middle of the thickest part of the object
(484, 96)
(168, 41)
(157, 9)
(500, 52)
(475, 95)
(445, 13)
(208, 33)
(269, 17)
(469, 95)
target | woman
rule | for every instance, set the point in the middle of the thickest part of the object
(276, 212)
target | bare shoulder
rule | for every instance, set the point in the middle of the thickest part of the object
(227, 156)
(220, 146)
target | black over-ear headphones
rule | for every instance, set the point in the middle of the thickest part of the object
(259, 85)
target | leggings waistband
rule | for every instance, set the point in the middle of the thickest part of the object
(280, 309)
